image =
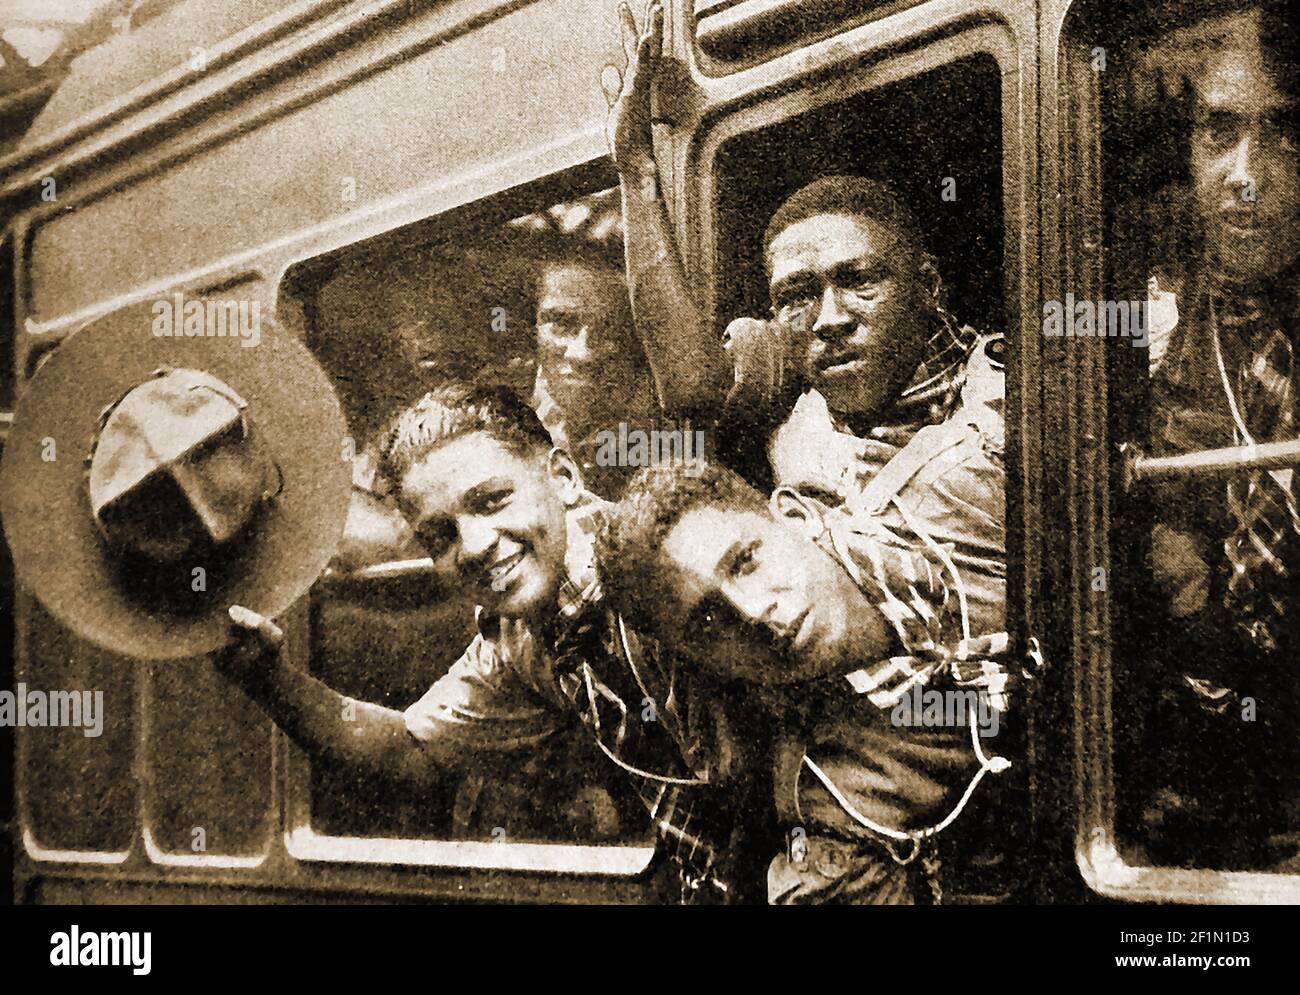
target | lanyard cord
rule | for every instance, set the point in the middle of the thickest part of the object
(678, 734)
(995, 764)
(595, 717)
(944, 558)
(1227, 384)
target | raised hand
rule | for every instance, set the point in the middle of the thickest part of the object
(628, 90)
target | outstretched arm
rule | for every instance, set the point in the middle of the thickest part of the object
(323, 722)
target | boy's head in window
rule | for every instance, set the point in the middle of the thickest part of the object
(586, 348)
(590, 362)
(1244, 160)
(843, 259)
(486, 495)
(737, 583)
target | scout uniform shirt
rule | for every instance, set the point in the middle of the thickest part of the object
(924, 535)
(514, 688)
(1210, 380)
(1232, 344)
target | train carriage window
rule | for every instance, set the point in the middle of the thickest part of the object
(529, 296)
(936, 138)
(1198, 188)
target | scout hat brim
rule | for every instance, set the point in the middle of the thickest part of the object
(59, 554)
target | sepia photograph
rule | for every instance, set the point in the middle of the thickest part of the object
(685, 452)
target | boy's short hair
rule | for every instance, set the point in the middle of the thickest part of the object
(853, 196)
(655, 500)
(450, 411)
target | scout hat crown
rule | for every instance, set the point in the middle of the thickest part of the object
(150, 482)
(177, 451)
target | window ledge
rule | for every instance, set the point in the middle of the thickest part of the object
(305, 843)
(1107, 873)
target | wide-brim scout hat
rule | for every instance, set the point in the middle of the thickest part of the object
(151, 481)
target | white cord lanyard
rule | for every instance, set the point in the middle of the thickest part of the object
(996, 764)
(595, 720)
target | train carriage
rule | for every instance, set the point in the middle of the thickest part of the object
(362, 171)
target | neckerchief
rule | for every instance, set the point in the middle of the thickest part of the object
(934, 390)
(1261, 547)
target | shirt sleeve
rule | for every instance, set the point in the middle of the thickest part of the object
(481, 705)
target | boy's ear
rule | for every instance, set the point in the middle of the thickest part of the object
(565, 476)
(796, 512)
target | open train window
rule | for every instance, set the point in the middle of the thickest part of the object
(948, 170)
(948, 167)
(527, 293)
(1190, 111)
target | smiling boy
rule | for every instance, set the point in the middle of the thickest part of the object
(506, 521)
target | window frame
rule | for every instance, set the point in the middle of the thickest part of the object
(301, 839)
(897, 46)
(1094, 461)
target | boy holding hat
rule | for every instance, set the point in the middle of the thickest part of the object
(506, 519)
(149, 482)
(186, 485)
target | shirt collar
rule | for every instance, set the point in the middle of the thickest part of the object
(548, 410)
(946, 353)
(580, 586)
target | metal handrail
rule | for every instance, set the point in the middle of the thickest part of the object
(1139, 468)
(392, 570)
